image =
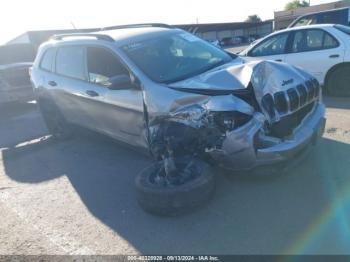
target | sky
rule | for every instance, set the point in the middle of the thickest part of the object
(18, 16)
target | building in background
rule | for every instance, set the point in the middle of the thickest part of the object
(219, 31)
(284, 18)
(36, 38)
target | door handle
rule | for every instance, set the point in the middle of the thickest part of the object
(91, 93)
(334, 56)
(278, 60)
(52, 83)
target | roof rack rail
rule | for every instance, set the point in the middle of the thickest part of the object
(97, 36)
(136, 26)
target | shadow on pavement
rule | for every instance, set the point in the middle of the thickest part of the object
(246, 216)
(19, 122)
(14, 109)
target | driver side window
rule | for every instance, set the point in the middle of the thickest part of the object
(274, 45)
(102, 65)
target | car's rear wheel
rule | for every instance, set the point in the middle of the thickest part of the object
(338, 83)
(55, 122)
(156, 195)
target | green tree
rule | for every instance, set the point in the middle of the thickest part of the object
(253, 19)
(296, 4)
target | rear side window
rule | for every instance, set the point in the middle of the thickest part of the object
(329, 41)
(70, 62)
(47, 60)
(312, 40)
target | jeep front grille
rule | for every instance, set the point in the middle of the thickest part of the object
(281, 103)
(288, 108)
(302, 94)
(288, 123)
(291, 100)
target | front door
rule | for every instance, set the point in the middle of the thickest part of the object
(116, 112)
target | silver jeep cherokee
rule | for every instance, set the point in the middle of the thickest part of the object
(165, 90)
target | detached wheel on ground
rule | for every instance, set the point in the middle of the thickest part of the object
(55, 122)
(338, 83)
(191, 188)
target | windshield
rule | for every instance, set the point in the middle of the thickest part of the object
(175, 57)
(307, 20)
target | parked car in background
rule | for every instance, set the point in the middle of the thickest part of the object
(15, 63)
(15, 83)
(226, 41)
(336, 16)
(182, 100)
(322, 50)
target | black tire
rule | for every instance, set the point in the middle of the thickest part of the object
(338, 83)
(174, 200)
(55, 122)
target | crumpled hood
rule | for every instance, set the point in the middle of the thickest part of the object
(265, 76)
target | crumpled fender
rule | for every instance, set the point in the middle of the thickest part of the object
(192, 108)
(271, 77)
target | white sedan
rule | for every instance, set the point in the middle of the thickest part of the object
(322, 50)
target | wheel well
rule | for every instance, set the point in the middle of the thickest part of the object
(332, 69)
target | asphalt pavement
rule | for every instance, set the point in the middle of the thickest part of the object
(78, 197)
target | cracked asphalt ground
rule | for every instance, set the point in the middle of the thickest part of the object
(78, 197)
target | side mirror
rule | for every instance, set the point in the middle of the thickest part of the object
(120, 82)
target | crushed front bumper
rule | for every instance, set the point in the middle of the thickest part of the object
(248, 148)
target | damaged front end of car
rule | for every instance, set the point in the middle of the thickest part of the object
(240, 116)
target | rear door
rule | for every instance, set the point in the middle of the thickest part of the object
(272, 48)
(316, 51)
(71, 84)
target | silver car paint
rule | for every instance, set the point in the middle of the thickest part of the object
(133, 116)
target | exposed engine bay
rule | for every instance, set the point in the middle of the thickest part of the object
(238, 128)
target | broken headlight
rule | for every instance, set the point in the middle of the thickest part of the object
(227, 121)
(191, 116)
